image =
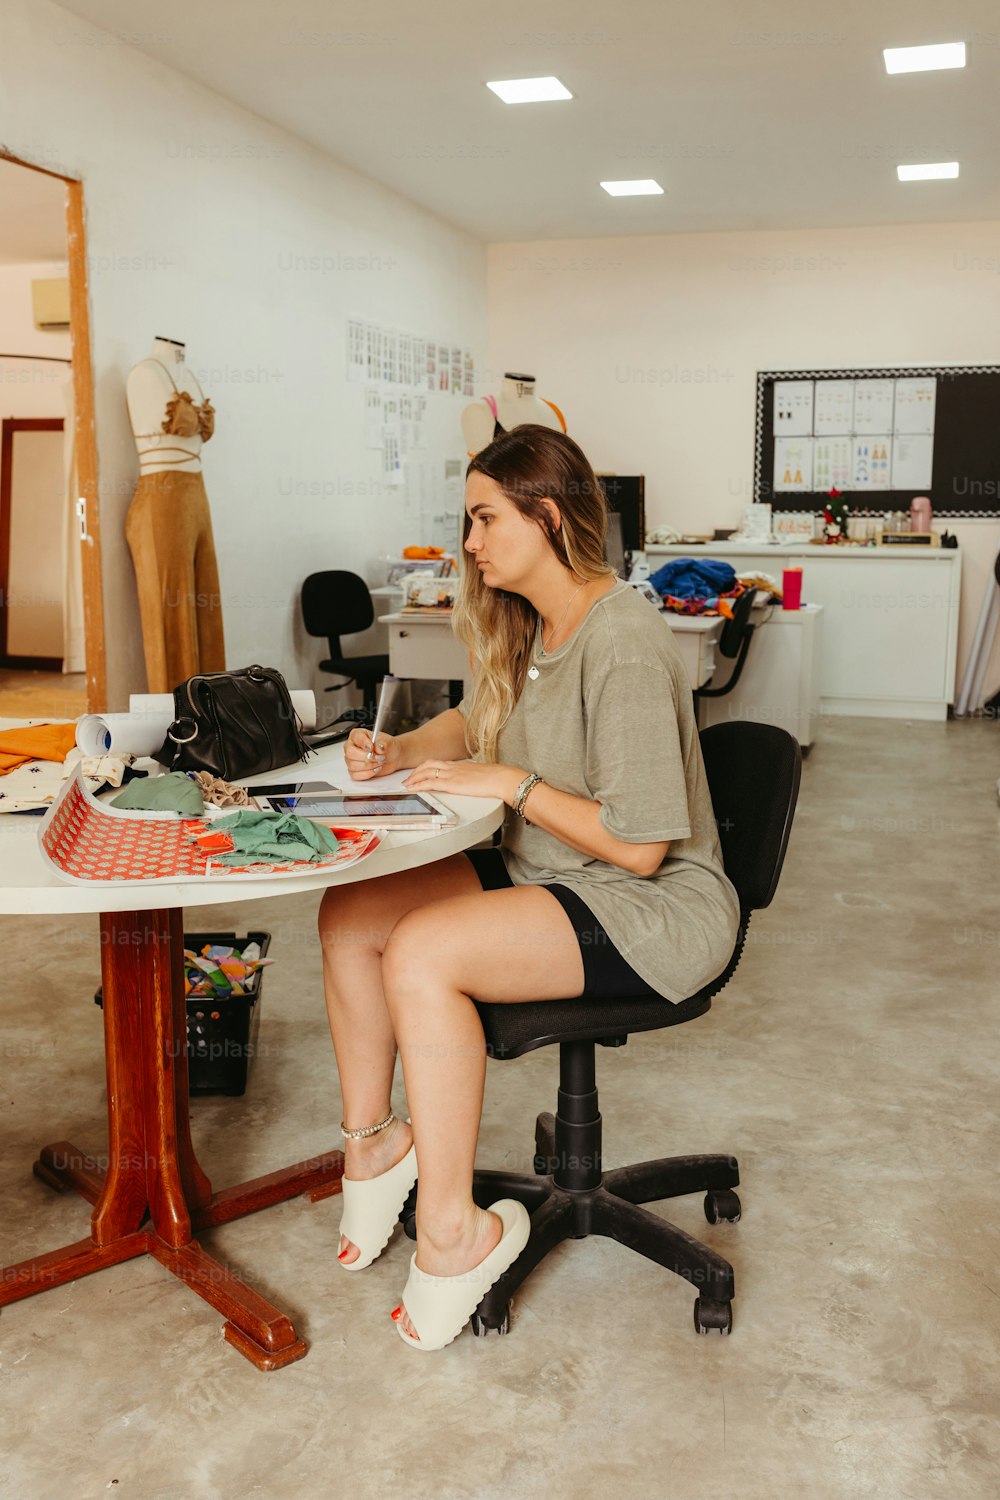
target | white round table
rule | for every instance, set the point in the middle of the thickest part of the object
(154, 1194)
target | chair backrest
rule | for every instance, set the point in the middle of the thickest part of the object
(739, 628)
(753, 774)
(336, 603)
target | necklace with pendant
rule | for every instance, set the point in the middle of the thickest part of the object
(533, 670)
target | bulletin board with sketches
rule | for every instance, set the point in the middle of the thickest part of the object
(880, 437)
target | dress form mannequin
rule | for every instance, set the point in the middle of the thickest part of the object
(169, 525)
(515, 405)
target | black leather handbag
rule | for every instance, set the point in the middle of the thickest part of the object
(234, 724)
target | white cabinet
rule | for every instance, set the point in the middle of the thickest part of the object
(779, 683)
(889, 636)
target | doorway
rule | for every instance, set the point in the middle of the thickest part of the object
(51, 614)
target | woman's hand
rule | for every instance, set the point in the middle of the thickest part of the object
(465, 778)
(361, 764)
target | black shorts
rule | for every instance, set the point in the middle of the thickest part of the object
(606, 975)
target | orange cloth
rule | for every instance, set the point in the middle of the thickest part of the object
(37, 742)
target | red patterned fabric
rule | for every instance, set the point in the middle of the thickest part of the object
(87, 842)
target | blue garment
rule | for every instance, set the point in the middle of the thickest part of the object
(694, 578)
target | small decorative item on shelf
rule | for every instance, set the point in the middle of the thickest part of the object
(429, 595)
(835, 517)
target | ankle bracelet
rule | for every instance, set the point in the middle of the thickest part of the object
(366, 1130)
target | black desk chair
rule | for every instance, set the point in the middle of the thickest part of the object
(734, 643)
(337, 603)
(753, 772)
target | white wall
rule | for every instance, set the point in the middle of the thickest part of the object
(29, 388)
(651, 346)
(206, 224)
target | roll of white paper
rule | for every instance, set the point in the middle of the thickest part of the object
(143, 729)
(121, 734)
(160, 704)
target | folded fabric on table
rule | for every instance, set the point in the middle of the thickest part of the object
(272, 838)
(173, 792)
(694, 577)
(697, 586)
(35, 742)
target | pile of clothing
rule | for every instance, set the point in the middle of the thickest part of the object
(697, 586)
(36, 759)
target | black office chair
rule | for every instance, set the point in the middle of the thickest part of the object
(753, 772)
(337, 603)
(734, 643)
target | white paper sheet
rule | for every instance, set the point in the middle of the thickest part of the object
(873, 406)
(793, 408)
(912, 462)
(833, 459)
(793, 464)
(872, 462)
(916, 399)
(833, 409)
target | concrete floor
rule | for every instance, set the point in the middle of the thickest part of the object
(852, 1066)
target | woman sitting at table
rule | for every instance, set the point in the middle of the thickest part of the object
(608, 879)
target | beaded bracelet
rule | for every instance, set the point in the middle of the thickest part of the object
(524, 791)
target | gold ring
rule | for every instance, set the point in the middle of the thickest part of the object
(437, 771)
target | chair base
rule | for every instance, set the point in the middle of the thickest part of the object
(612, 1208)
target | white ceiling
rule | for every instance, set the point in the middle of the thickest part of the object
(750, 113)
(32, 216)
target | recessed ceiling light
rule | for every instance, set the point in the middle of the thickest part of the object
(637, 187)
(924, 59)
(926, 170)
(529, 90)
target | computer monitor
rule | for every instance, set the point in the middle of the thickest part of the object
(626, 494)
(614, 547)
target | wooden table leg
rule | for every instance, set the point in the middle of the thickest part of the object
(153, 1190)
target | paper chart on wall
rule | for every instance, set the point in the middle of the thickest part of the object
(373, 417)
(834, 408)
(793, 408)
(793, 464)
(872, 461)
(357, 360)
(873, 406)
(916, 399)
(912, 461)
(832, 463)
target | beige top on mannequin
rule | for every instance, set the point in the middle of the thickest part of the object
(516, 404)
(152, 384)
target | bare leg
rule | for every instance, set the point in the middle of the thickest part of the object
(354, 923)
(503, 945)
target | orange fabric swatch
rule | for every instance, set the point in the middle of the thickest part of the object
(36, 742)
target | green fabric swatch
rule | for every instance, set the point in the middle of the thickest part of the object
(173, 792)
(270, 838)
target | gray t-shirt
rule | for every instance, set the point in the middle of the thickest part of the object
(610, 717)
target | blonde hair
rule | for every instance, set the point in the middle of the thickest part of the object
(529, 464)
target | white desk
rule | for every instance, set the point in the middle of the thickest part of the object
(889, 640)
(425, 646)
(154, 1195)
(780, 679)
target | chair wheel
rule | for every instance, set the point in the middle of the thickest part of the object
(409, 1223)
(481, 1329)
(708, 1315)
(722, 1206)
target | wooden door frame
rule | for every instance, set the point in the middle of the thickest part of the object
(10, 426)
(85, 440)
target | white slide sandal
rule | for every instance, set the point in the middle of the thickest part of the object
(440, 1306)
(372, 1208)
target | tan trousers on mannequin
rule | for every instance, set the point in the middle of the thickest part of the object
(169, 533)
